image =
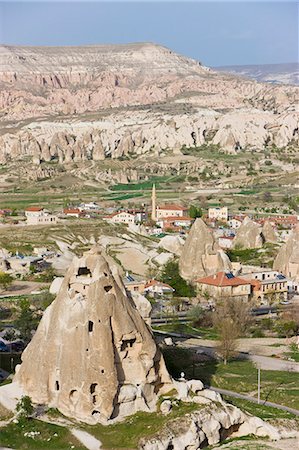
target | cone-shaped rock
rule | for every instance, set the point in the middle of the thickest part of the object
(249, 235)
(287, 260)
(92, 356)
(268, 233)
(201, 254)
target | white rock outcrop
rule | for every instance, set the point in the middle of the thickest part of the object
(249, 235)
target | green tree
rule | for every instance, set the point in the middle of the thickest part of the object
(195, 212)
(26, 321)
(5, 280)
(170, 275)
(24, 407)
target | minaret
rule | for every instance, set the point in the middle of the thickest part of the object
(154, 215)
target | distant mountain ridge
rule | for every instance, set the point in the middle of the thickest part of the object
(287, 73)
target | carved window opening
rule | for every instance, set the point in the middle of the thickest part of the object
(90, 326)
(94, 399)
(57, 385)
(107, 288)
(102, 371)
(95, 412)
(84, 271)
(73, 394)
(93, 388)
(127, 343)
(105, 274)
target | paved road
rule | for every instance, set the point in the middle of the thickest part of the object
(264, 362)
(254, 400)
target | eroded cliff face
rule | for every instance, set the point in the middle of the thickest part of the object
(92, 356)
(71, 102)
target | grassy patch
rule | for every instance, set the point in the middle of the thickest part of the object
(262, 411)
(177, 327)
(49, 436)
(241, 376)
(254, 256)
(127, 434)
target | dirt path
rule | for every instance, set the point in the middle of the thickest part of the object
(86, 439)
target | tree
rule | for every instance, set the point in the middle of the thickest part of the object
(195, 212)
(170, 275)
(26, 322)
(228, 335)
(5, 280)
(24, 407)
(231, 319)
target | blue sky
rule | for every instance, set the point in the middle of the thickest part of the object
(216, 33)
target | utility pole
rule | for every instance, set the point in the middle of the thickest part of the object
(258, 384)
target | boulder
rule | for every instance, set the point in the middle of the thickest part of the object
(92, 356)
(173, 244)
(165, 407)
(287, 259)
(249, 235)
(201, 254)
(56, 285)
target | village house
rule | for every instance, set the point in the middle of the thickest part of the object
(171, 211)
(175, 223)
(73, 212)
(127, 217)
(38, 216)
(225, 242)
(91, 206)
(218, 213)
(133, 284)
(269, 285)
(235, 222)
(224, 285)
(156, 288)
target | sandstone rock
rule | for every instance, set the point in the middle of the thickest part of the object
(268, 233)
(143, 306)
(165, 407)
(56, 285)
(195, 385)
(256, 426)
(287, 259)
(201, 254)
(249, 235)
(92, 356)
(173, 244)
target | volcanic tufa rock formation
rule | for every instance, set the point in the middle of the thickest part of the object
(268, 233)
(92, 356)
(201, 254)
(287, 260)
(249, 235)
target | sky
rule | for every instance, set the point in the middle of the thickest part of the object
(215, 33)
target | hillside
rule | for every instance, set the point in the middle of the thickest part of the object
(97, 102)
(268, 73)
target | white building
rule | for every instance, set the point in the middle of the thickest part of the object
(38, 216)
(171, 211)
(218, 213)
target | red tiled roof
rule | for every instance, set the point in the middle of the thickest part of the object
(174, 218)
(34, 208)
(221, 279)
(155, 283)
(72, 211)
(172, 208)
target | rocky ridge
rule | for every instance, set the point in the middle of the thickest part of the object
(97, 102)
